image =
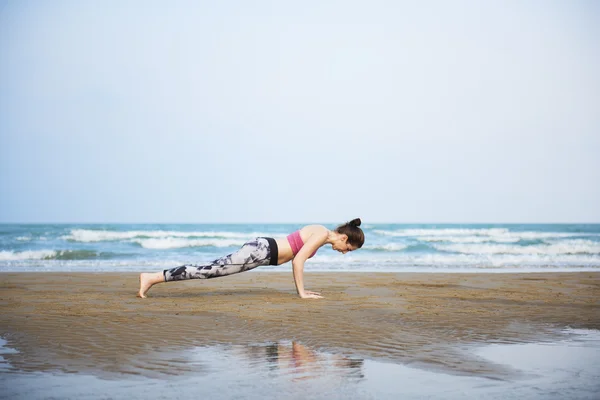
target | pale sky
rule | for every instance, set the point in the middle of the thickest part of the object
(308, 111)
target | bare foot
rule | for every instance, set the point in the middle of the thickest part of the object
(147, 280)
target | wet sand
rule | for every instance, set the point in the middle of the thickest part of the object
(93, 323)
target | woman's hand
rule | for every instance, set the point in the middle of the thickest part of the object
(311, 295)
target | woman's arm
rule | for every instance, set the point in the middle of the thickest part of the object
(312, 244)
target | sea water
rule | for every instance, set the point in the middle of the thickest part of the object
(388, 247)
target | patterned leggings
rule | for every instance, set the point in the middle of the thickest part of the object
(257, 252)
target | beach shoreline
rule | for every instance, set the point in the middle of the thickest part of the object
(93, 323)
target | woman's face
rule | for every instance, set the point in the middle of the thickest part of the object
(342, 245)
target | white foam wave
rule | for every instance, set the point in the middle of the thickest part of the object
(333, 262)
(469, 239)
(528, 235)
(564, 247)
(27, 255)
(456, 260)
(497, 234)
(387, 247)
(24, 238)
(442, 232)
(89, 235)
(178, 243)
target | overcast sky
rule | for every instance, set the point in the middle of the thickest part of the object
(307, 111)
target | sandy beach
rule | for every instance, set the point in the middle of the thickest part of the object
(93, 323)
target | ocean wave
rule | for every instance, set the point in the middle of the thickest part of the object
(24, 238)
(492, 235)
(386, 247)
(49, 255)
(178, 243)
(89, 235)
(578, 246)
(399, 247)
(455, 260)
(442, 232)
(469, 239)
(321, 262)
(7, 255)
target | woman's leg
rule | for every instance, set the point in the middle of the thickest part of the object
(252, 254)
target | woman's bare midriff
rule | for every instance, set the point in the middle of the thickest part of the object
(285, 251)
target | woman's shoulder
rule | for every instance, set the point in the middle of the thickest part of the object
(310, 230)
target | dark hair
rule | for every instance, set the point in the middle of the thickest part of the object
(356, 237)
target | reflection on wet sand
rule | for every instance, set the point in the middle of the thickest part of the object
(302, 363)
(290, 370)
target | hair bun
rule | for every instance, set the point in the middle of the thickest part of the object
(356, 236)
(355, 222)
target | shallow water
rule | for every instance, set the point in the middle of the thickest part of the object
(566, 368)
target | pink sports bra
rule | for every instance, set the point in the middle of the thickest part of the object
(296, 243)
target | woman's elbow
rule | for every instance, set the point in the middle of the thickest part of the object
(297, 265)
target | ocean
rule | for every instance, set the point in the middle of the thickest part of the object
(388, 247)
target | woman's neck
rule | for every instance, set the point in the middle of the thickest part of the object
(332, 236)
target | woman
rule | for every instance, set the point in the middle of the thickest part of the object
(298, 247)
